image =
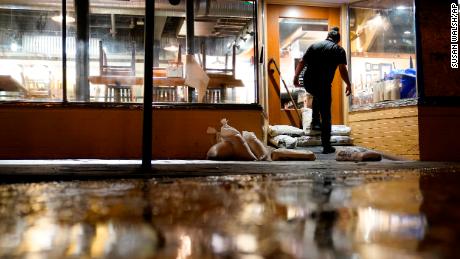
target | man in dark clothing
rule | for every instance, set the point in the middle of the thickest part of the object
(321, 60)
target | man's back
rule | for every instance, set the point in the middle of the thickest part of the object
(322, 59)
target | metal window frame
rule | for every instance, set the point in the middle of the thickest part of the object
(419, 68)
(147, 128)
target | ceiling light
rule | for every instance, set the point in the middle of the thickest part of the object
(14, 46)
(402, 7)
(407, 32)
(58, 18)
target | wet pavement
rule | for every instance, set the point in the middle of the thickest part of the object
(408, 213)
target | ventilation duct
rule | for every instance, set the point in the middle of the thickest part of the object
(203, 8)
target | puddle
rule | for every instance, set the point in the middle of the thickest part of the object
(385, 215)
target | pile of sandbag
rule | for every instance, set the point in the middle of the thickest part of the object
(231, 145)
(285, 136)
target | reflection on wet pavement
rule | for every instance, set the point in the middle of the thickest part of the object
(290, 216)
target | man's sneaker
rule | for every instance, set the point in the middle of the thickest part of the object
(328, 149)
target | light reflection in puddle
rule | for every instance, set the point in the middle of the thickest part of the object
(228, 217)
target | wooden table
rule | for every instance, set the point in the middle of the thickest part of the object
(216, 81)
(9, 84)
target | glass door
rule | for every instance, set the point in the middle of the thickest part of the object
(296, 35)
(290, 30)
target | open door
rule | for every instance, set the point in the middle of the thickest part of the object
(290, 31)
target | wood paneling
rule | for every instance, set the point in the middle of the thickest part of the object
(113, 133)
(274, 12)
(394, 131)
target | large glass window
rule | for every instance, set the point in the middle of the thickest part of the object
(223, 49)
(31, 53)
(382, 41)
(105, 53)
(116, 52)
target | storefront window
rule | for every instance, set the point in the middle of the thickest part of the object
(223, 48)
(31, 53)
(382, 41)
(116, 52)
(105, 53)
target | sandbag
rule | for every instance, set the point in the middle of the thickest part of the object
(220, 151)
(357, 155)
(256, 146)
(308, 141)
(310, 132)
(283, 154)
(241, 150)
(283, 141)
(277, 130)
(306, 118)
(341, 140)
(227, 130)
(215, 135)
(340, 130)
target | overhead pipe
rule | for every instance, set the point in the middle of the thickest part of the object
(190, 26)
(113, 29)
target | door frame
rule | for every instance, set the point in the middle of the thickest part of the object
(276, 115)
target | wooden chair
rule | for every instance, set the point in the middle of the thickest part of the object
(37, 81)
(225, 75)
(117, 91)
(230, 72)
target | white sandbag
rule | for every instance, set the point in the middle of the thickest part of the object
(306, 118)
(289, 154)
(227, 130)
(310, 132)
(341, 140)
(308, 141)
(340, 130)
(215, 135)
(357, 155)
(241, 150)
(220, 151)
(277, 130)
(256, 146)
(283, 141)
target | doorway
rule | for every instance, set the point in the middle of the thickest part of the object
(290, 31)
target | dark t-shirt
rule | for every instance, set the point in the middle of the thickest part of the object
(322, 59)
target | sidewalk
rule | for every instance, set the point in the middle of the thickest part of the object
(88, 169)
